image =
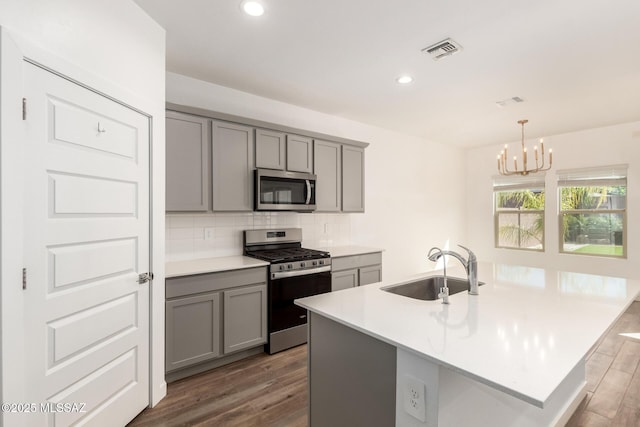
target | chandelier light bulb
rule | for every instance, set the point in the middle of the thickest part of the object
(503, 169)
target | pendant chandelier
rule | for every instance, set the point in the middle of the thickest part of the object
(540, 166)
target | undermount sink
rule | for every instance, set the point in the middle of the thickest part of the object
(427, 289)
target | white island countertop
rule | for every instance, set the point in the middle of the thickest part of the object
(523, 334)
(210, 265)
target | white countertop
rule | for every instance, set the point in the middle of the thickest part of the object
(210, 265)
(342, 251)
(523, 334)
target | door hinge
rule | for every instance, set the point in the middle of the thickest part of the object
(24, 108)
(24, 278)
(144, 278)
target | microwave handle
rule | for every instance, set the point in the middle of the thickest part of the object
(308, 192)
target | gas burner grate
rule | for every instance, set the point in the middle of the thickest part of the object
(289, 254)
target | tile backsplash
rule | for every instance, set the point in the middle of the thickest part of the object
(191, 236)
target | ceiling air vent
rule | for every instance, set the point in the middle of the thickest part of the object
(509, 101)
(441, 49)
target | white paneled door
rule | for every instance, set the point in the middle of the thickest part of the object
(86, 239)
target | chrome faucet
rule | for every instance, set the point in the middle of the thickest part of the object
(470, 265)
(434, 254)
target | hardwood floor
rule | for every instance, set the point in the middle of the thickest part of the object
(613, 377)
(272, 390)
(261, 390)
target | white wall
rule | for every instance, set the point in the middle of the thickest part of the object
(414, 188)
(115, 48)
(611, 145)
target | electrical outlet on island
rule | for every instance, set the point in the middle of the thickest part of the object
(415, 398)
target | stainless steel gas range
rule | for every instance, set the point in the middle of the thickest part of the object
(295, 272)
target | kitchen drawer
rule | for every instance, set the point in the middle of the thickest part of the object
(356, 261)
(199, 283)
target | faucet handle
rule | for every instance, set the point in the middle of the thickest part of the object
(472, 256)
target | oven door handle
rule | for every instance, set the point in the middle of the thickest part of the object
(283, 274)
(308, 192)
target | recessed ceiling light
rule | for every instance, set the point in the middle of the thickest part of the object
(253, 8)
(404, 80)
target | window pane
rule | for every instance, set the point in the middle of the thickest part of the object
(601, 198)
(522, 199)
(520, 230)
(593, 233)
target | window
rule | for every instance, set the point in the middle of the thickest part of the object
(593, 213)
(519, 212)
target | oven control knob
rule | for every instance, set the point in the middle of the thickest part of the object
(314, 263)
(302, 265)
(320, 262)
(281, 267)
(289, 266)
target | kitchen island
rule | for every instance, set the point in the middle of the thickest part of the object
(513, 355)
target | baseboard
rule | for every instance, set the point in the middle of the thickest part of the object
(202, 367)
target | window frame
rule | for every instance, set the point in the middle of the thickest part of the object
(610, 176)
(511, 184)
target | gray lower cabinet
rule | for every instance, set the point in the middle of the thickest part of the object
(356, 270)
(370, 274)
(245, 317)
(212, 316)
(352, 179)
(192, 330)
(232, 167)
(344, 279)
(326, 166)
(187, 162)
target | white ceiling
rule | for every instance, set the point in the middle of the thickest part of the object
(576, 63)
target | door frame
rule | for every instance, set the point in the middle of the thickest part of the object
(11, 262)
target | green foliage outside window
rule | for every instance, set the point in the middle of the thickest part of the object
(520, 219)
(593, 219)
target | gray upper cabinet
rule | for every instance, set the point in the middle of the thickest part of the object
(326, 166)
(233, 164)
(352, 179)
(299, 153)
(187, 162)
(280, 151)
(270, 149)
(210, 163)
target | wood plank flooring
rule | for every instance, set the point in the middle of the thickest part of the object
(272, 390)
(261, 390)
(613, 377)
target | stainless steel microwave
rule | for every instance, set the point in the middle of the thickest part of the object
(284, 191)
